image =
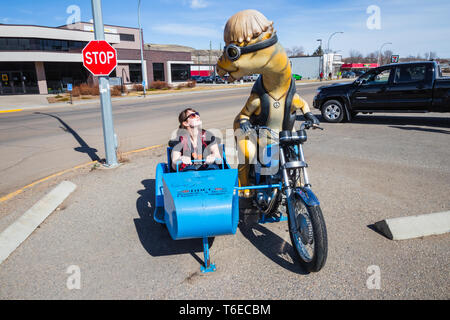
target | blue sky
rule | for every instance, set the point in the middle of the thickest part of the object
(413, 27)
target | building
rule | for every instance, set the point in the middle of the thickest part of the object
(332, 63)
(39, 59)
(310, 67)
(306, 66)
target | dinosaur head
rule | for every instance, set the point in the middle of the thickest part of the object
(250, 45)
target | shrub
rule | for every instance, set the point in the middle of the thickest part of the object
(180, 86)
(159, 85)
(85, 89)
(76, 91)
(138, 87)
(116, 91)
(191, 84)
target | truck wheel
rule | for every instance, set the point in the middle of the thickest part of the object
(333, 111)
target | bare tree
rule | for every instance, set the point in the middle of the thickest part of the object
(385, 57)
(430, 55)
(354, 57)
(371, 57)
(296, 51)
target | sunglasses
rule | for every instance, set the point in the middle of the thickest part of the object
(233, 52)
(192, 115)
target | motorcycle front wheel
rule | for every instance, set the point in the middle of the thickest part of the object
(309, 238)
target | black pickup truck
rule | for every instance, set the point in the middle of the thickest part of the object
(399, 87)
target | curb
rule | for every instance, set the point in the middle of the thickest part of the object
(415, 226)
(15, 193)
(20, 230)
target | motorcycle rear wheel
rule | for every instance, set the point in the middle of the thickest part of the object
(310, 241)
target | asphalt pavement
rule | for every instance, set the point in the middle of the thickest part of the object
(377, 167)
(36, 143)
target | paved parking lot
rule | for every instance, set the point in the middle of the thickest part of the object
(377, 167)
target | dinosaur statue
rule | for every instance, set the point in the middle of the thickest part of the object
(251, 46)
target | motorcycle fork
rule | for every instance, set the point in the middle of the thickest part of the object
(289, 194)
(305, 173)
(293, 223)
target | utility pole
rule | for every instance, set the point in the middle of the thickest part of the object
(105, 95)
(210, 52)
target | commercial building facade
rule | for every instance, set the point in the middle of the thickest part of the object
(38, 59)
(310, 67)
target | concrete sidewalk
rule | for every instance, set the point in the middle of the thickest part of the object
(25, 101)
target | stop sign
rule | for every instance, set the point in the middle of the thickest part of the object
(99, 57)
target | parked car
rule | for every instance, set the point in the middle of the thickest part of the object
(398, 87)
(200, 79)
(297, 76)
(219, 80)
(254, 77)
(359, 72)
(348, 74)
(196, 78)
(208, 79)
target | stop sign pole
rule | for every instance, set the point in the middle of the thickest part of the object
(105, 95)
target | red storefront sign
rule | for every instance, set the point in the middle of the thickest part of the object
(359, 65)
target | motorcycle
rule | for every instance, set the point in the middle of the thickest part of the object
(283, 180)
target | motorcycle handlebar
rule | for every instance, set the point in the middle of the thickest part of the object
(305, 125)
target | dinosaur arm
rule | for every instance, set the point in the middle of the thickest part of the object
(252, 106)
(299, 103)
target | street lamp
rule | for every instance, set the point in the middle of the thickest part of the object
(379, 52)
(141, 41)
(328, 46)
(321, 57)
(320, 42)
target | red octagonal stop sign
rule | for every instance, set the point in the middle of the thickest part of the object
(99, 57)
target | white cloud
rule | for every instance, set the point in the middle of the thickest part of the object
(198, 4)
(186, 30)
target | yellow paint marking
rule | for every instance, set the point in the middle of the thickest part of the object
(143, 149)
(12, 110)
(15, 193)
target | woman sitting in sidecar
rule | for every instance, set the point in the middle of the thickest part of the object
(194, 144)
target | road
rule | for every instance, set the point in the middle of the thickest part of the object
(376, 167)
(35, 144)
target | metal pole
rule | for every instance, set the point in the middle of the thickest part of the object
(141, 41)
(105, 95)
(209, 67)
(328, 46)
(321, 58)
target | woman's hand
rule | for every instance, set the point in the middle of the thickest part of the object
(210, 159)
(186, 160)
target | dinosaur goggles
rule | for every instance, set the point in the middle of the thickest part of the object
(233, 52)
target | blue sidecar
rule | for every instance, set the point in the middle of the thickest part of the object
(197, 204)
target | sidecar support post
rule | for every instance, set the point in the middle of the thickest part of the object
(208, 267)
